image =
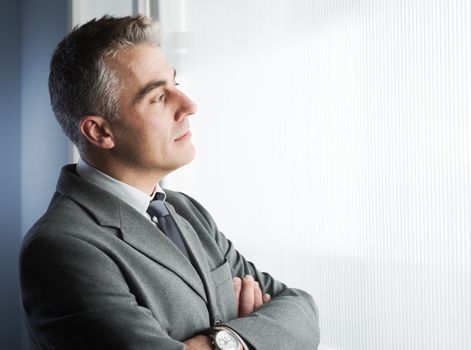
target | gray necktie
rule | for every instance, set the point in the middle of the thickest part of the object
(166, 223)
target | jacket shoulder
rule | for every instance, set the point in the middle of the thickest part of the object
(64, 217)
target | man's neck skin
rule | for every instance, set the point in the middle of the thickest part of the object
(143, 180)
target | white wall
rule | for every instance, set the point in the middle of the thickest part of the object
(340, 130)
(85, 10)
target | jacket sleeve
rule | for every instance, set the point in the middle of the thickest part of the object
(75, 297)
(288, 321)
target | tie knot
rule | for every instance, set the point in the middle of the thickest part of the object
(159, 196)
(157, 207)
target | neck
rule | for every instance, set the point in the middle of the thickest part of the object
(143, 180)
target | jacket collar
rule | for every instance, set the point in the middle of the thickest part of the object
(137, 231)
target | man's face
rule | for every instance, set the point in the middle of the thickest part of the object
(152, 134)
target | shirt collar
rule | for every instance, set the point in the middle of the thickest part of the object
(128, 194)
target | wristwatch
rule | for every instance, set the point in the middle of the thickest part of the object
(224, 339)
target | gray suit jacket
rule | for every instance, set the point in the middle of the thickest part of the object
(96, 274)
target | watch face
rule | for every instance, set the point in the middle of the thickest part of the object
(226, 341)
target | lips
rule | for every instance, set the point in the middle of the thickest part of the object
(185, 136)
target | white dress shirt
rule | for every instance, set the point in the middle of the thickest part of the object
(128, 194)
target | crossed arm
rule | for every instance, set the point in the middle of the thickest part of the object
(75, 305)
(288, 321)
(249, 297)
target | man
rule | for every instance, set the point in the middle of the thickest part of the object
(116, 262)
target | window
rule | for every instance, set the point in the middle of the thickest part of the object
(332, 148)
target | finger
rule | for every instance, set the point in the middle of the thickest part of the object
(246, 301)
(237, 286)
(266, 298)
(258, 300)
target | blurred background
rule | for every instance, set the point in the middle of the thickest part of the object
(341, 126)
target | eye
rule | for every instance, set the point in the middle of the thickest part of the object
(159, 98)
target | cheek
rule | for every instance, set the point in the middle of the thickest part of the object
(159, 133)
(155, 140)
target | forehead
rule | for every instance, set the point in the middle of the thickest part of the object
(139, 64)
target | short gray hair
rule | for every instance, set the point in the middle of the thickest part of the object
(81, 82)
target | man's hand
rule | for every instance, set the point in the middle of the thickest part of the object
(200, 342)
(248, 295)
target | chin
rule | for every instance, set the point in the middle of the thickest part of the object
(189, 159)
(184, 160)
(190, 154)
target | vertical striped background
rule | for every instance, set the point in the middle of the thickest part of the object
(333, 149)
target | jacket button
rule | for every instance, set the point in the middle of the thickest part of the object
(217, 322)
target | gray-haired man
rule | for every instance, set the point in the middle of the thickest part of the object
(116, 262)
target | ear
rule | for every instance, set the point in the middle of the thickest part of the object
(97, 131)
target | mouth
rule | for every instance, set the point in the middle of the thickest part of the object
(184, 137)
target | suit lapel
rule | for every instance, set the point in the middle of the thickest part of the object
(138, 232)
(149, 240)
(196, 251)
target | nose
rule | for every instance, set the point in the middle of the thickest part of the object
(186, 106)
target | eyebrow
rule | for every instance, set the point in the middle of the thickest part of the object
(152, 85)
